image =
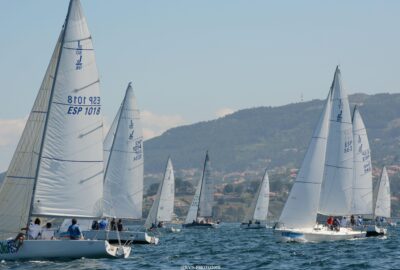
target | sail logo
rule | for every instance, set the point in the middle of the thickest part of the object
(78, 52)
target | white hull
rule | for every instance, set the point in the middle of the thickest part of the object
(252, 226)
(316, 235)
(62, 249)
(125, 236)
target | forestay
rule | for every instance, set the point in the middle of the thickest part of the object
(362, 178)
(70, 173)
(163, 205)
(17, 188)
(300, 210)
(336, 190)
(123, 182)
(261, 208)
(383, 205)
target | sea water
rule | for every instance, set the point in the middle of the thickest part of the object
(230, 247)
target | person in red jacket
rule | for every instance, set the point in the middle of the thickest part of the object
(329, 222)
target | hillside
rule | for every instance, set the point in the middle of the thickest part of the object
(271, 136)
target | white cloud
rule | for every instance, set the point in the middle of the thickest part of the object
(155, 124)
(224, 112)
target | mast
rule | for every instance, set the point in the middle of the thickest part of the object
(48, 111)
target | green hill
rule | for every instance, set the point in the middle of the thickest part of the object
(271, 136)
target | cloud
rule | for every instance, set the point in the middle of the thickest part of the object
(11, 130)
(224, 112)
(155, 124)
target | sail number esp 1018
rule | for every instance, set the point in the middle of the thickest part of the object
(84, 105)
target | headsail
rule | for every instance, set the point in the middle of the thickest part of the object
(17, 188)
(261, 208)
(163, 205)
(382, 191)
(362, 178)
(123, 179)
(336, 191)
(300, 210)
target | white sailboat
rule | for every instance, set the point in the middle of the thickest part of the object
(57, 168)
(324, 182)
(382, 205)
(123, 176)
(162, 209)
(200, 211)
(257, 216)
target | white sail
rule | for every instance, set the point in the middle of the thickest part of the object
(194, 206)
(70, 172)
(163, 205)
(108, 140)
(362, 178)
(167, 196)
(336, 190)
(207, 191)
(300, 210)
(17, 188)
(261, 208)
(123, 180)
(382, 205)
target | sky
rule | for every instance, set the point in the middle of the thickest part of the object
(193, 61)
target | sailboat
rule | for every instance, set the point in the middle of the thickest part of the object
(324, 182)
(123, 176)
(382, 205)
(57, 168)
(162, 209)
(200, 211)
(257, 216)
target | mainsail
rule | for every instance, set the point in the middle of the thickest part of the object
(123, 148)
(163, 205)
(203, 199)
(382, 191)
(300, 210)
(71, 156)
(336, 190)
(260, 210)
(362, 178)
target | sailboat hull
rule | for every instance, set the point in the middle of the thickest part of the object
(374, 230)
(62, 249)
(316, 235)
(253, 226)
(125, 237)
(200, 226)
